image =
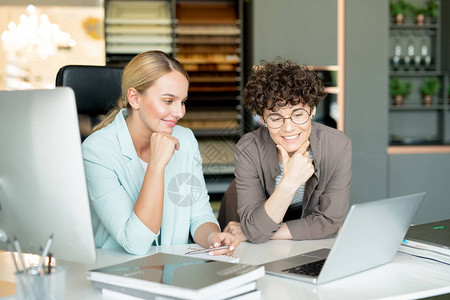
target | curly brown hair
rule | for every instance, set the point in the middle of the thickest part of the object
(281, 83)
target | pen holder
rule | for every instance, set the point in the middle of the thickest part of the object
(50, 286)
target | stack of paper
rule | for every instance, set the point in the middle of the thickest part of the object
(168, 276)
(430, 241)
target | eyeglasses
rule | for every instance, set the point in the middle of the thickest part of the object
(298, 116)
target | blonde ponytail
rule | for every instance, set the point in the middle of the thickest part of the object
(111, 115)
(140, 73)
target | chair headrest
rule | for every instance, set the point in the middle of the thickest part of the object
(96, 88)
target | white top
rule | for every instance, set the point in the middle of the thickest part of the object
(144, 165)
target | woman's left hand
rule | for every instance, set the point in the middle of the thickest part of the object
(235, 229)
(218, 239)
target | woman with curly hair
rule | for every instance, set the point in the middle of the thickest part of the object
(293, 175)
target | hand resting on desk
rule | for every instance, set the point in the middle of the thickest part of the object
(235, 229)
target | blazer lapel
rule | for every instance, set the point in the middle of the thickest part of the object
(128, 150)
(270, 161)
(312, 182)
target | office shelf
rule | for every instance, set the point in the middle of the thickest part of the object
(416, 56)
(206, 37)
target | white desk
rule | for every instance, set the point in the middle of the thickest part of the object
(406, 277)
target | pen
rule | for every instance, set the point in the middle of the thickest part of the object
(10, 248)
(207, 250)
(17, 246)
(25, 279)
(44, 254)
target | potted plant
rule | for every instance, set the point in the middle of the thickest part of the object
(399, 10)
(433, 8)
(419, 13)
(429, 88)
(399, 90)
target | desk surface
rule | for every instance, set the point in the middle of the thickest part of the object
(406, 277)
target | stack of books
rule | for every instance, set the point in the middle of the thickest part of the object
(168, 276)
(429, 241)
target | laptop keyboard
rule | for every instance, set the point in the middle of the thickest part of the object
(310, 269)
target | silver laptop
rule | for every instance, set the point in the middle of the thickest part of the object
(43, 187)
(370, 236)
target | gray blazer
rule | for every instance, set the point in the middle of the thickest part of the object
(326, 197)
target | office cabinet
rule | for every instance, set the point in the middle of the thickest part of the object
(208, 41)
(132, 27)
(207, 38)
(415, 57)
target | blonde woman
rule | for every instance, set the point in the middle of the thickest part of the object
(144, 172)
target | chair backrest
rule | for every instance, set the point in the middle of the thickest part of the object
(96, 88)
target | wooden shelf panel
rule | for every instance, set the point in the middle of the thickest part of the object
(223, 132)
(332, 90)
(325, 68)
(208, 40)
(222, 98)
(138, 39)
(192, 115)
(213, 88)
(206, 13)
(213, 79)
(210, 67)
(138, 22)
(201, 49)
(224, 59)
(135, 49)
(418, 149)
(190, 30)
(214, 125)
(138, 29)
(138, 10)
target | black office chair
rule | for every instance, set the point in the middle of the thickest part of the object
(96, 89)
(228, 206)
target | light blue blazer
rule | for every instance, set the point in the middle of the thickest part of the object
(114, 177)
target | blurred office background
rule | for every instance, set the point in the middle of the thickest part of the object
(354, 45)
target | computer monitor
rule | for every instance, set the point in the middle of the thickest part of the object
(42, 180)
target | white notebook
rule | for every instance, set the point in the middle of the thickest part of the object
(224, 258)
